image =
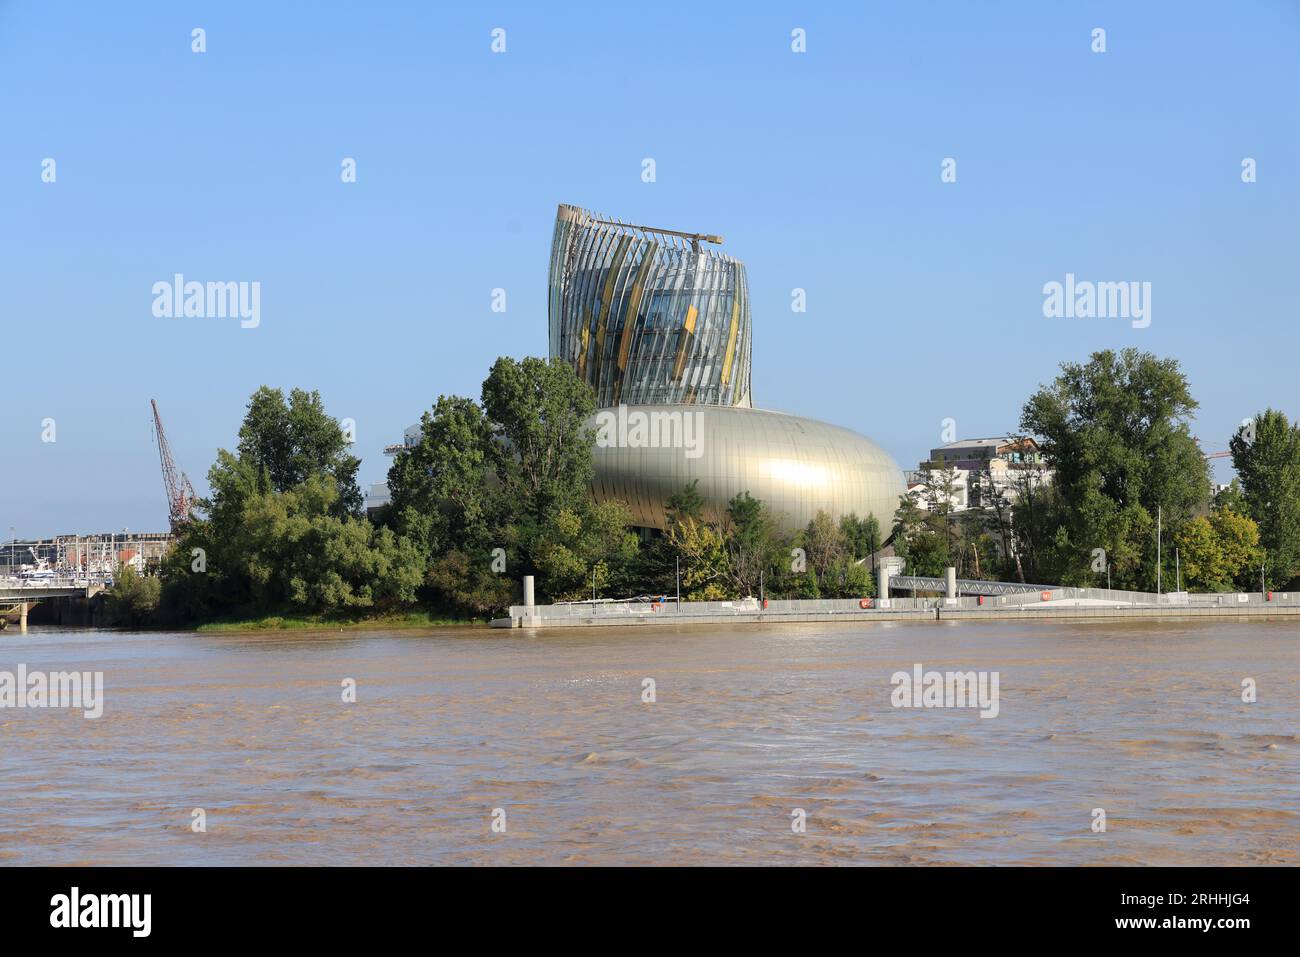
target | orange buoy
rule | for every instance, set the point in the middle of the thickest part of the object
(1047, 596)
(865, 603)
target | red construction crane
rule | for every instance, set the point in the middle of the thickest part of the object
(180, 493)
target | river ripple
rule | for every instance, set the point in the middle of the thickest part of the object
(1142, 719)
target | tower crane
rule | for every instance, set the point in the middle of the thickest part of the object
(180, 493)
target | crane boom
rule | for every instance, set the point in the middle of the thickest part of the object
(180, 494)
(695, 238)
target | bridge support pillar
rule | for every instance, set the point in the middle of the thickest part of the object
(22, 618)
(950, 585)
(887, 569)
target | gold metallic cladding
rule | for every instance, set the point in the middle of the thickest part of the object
(797, 466)
(616, 264)
(688, 330)
(731, 340)
(586, 341)
(632, 315)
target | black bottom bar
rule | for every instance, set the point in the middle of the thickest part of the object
(374, 905)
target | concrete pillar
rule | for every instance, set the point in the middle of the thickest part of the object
(529, 601)
(950, 581)
(882, 580)
(22, 617)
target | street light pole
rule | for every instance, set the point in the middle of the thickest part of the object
(1159, 518)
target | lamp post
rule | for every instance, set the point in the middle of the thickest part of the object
(1159, 519)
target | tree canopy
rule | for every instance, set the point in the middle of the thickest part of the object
(1266, 455)
(281, 529)
(292, 441)
(1116, 431)
(500, 488)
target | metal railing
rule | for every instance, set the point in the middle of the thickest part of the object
(715, 609)
(30, 584)
(1059, 597)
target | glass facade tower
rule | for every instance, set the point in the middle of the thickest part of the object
(657, 323)
(648, 316)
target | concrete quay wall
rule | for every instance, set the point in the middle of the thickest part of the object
(550, 616)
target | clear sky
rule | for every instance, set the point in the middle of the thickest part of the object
(821, 169)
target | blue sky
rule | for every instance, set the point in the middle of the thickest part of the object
(821, 169)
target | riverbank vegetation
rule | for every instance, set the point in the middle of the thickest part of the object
(362, 622)
(498, 487)
(1123, 494)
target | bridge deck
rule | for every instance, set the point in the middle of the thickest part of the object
(14, 591)
(965, 586)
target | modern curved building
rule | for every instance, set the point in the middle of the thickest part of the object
(659, 327)
(647, 316)
(797, 466)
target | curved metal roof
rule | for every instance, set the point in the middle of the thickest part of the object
(798, 466)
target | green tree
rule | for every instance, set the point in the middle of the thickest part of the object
(281, 530)
(861, 536)
(292, 548)
(1268, 465)
(1218, 552)
(688, 503)
(513, 473)
(133, 600)
(938, 493)
(576, 545)
(920, 540)
(539, 411)
(658, 564)
(825, 545)
(292, 441)
(298, 554)
(976, 551)
(441, 498)
(467, 585)
(804, 586)
(1035, 513)
(994, 493)
(706, 572)
(846, 578)
(1231, 497)
(753, 547)
(1116, 432)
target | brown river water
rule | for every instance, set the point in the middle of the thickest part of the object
(1144, 720)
